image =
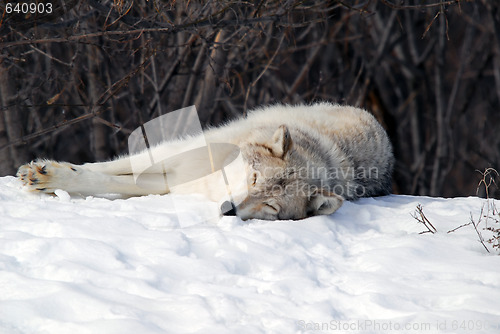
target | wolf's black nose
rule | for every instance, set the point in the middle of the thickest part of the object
(228, 209)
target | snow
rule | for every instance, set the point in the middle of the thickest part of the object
(96, 265)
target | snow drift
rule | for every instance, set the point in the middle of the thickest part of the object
(94, 265)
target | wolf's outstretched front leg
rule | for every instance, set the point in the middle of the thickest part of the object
(47, 176)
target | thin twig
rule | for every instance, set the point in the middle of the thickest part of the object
(430, 5)
(459, 227)
(423, 220)
(487, 183)
(481, 240)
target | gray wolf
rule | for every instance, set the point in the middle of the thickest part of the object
(299, 161)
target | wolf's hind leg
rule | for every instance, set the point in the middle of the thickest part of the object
(148, 161)
(120, 166)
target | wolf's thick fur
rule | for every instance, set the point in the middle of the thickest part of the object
(300, 161)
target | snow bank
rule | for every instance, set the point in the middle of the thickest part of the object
(94, 265)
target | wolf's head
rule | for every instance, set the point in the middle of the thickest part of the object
(278, 187)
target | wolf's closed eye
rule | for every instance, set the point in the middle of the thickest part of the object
(254, 179)
(271, 207)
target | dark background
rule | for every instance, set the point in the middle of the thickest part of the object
(75, 83)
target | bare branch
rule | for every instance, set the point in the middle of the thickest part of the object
(421, 218)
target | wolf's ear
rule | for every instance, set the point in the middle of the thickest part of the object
(324, 203)
(281, 141)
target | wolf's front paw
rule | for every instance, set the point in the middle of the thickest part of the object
(42, 175)
(34, 175)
